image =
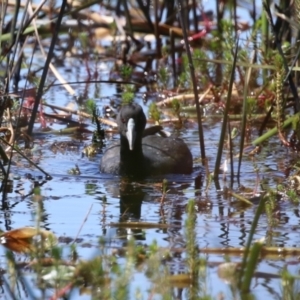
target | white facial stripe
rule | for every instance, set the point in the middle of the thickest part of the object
(131, 134)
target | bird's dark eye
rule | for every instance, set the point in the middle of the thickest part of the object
(123, 120)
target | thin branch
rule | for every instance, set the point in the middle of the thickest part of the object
(46, 67)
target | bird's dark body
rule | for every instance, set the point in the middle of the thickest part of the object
(150, 155)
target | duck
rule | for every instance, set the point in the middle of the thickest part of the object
(134, 155)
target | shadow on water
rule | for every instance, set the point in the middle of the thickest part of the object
(134, 196)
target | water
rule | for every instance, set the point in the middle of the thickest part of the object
(72, 201)
(88, 206)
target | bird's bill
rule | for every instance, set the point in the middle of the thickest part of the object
(131, 133)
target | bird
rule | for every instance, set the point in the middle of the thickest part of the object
(137, 156)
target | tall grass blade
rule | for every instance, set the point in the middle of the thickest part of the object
(230, 154)
(156, 32)
(244, 117)
(266, 42)
(226, 112)
(244, 276)
(253, 259)
(220, 13)
(181, 13)
(172, 42)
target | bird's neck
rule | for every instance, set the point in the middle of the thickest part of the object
(126, 153)
(131, 161)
